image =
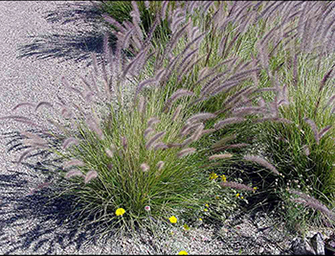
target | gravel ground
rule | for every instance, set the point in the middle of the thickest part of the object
(41, 42)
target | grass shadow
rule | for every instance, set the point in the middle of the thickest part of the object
(35, 219)
(76, 45)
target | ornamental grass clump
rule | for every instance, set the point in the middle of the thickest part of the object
(232, 88)
(260, 72)
(303, 149)
(132, 158)
(121, 11)
(279, 82)
(130, 142)
(296, 137)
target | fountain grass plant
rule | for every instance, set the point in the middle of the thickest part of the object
(303, 150)
(203, 107)
(140, 158)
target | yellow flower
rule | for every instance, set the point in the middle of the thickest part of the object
(238, 194)
(186, 227)
(242, 197)
(213, 176)
(182, 253)
(254, 188)
(206, 210)
(224, 178)
(120, 211)
(173, 219)
(200, 219)
(207, 205)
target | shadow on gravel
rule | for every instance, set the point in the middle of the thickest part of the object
(66, 47)
(34, 219)
(76, 46)
(73, 12)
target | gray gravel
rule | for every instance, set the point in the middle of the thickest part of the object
(40, 43)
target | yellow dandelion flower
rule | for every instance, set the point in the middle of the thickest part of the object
(213, 176)
(120, 211)
(173, 219)
(224, 178)
(238, 194)
(254, 188)
(186, 227)
(242, 197)
(200, 219)
(206, 210)
(182, 253)
(207, 205)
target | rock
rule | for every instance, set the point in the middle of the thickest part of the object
(261, 220)
(311, 233)
(273, 250)
(261, 250)
(330, 245)
(318, 244)
(246, 229)
(302, 247)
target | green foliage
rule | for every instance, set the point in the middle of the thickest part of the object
(258, 93)
(175, 188)
(307, 164)
(120, 10)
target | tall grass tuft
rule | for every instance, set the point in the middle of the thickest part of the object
(241, 80)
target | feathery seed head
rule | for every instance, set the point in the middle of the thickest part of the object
(220, 156)
(160, 165)
(261, 161)
(145, 167)
(185, 152)
(152, 121)
(69, 142)
(72, 173)
(154, 138)
(200, 116)
(90, 175)
(73, 162)
(176, 113)
(148, 131)
(233, 120)
(236, 185)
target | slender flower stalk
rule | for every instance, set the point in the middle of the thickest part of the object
(178, 94)
(176, 113)
(236, 185)
(73, 173)
(220, 156)
(154, 138)
(200, 116)
(186, 151)
(261, 161)
(73, 162)
(90, 176)
(311, 202)
(144, 167)
(69, 142)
